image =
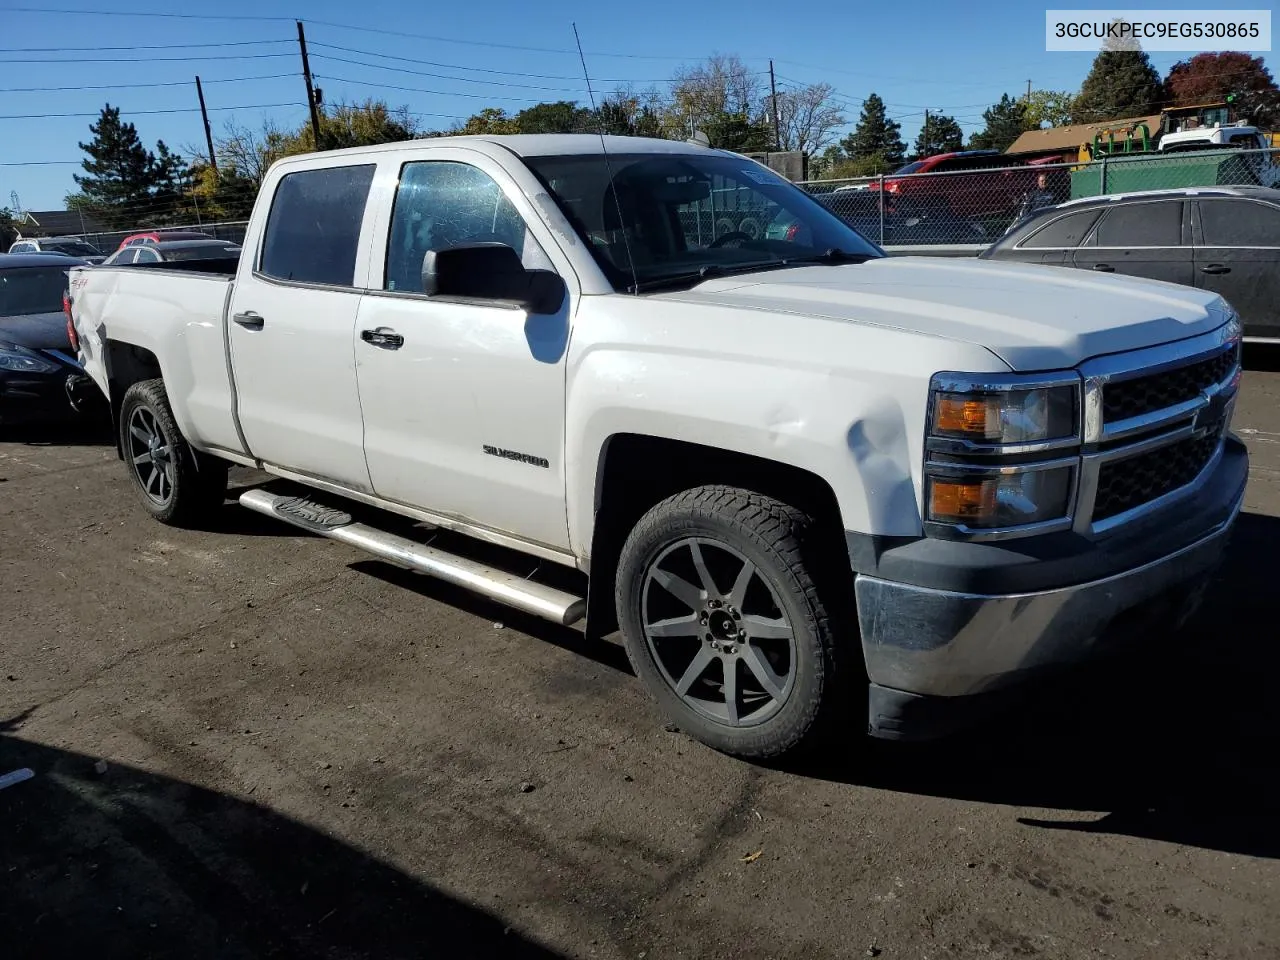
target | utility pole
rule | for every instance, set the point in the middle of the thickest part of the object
(777, 124)
(311, 93)
(1028, 91)
(208, 131)
(926, 132)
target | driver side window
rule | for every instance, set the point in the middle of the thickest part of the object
(443, 204)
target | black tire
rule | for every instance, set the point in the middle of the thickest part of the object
(177, 485)
(736, 526)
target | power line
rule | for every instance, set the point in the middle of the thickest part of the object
(148, 46)
(138, 86)
(443, 76)
(231, 56)
(135, 113)
(351, 26)
(459, 66)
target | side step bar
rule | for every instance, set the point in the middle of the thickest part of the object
(508, 588)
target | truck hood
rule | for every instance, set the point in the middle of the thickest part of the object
(1032, 317)
(36, 331)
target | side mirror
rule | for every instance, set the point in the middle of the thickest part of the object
(490, 271)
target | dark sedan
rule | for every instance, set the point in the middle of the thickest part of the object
(1224, 239)
(39, 376)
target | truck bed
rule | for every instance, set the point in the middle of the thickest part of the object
(175, 312)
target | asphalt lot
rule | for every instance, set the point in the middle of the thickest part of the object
(308, 753)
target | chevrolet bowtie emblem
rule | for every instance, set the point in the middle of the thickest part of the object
(1209, 418)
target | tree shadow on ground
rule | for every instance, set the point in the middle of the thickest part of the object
(1176, 741)
(133, 865)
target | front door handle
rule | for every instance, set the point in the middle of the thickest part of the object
(1104, 268)
(249, 320)
(383, 337)
(1215, 268)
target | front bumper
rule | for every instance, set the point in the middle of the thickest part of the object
(38, 398)
(932, 653)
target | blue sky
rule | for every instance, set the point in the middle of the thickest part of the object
(947, 56)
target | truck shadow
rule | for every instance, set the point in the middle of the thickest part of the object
(130, 864)
(1175, 741)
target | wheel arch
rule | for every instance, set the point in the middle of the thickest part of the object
(126, 364)
(637, 471)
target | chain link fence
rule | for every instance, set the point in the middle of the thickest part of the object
(976, 206)
(947, 208)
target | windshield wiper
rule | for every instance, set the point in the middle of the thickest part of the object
(711, 271)
(708, 271)
(833, 256)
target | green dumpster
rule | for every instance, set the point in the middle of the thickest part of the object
(1126, 174)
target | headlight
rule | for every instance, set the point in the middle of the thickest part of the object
(17, 359)
(1012, 416)
(1009, 499)
(1002, 455)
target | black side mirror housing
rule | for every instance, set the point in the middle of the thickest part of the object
(490, 271)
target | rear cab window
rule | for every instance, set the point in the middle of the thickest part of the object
(312, 233)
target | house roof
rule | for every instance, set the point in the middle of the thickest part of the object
(1070, 137)
(58, 223)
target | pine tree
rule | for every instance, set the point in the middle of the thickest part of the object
(876, 138)
(1005, 122)
(1121, 83)
(942, 135)
(120, 172)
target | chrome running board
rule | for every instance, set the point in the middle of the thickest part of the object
(507, 588)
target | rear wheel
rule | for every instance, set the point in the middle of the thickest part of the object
(176, 485)
(724, 623)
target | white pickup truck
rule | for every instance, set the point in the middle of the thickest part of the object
(797, 474)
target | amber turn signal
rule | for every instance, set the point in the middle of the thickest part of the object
(959, 415)
(962, 501)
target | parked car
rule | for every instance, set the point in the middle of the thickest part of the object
(70, 246)
(1223, 240)
(173, 250)
(964, 184)
(157, 236)
(40, 378)
(797, 473)
(862, 212)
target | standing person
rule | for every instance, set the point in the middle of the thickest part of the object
(1038, 198)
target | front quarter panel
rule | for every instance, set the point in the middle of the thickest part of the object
(843, 401)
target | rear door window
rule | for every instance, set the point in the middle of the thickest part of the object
(313, 229)
(1239, 223)
(1141, 225)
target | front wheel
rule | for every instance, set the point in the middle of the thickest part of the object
(723, 621)
(176, 485)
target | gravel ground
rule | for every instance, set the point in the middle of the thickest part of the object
(253, 743)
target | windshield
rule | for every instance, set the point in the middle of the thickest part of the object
(77, 248)
(679, 215)
(911, 167)
(32, 290)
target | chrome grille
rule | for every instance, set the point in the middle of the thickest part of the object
(1125, 484)
(1154, 421)
(1142, 395)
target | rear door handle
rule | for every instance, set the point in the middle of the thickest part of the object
(249, 320)
(1104, 268)
(383, 337)
(1215, 268)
